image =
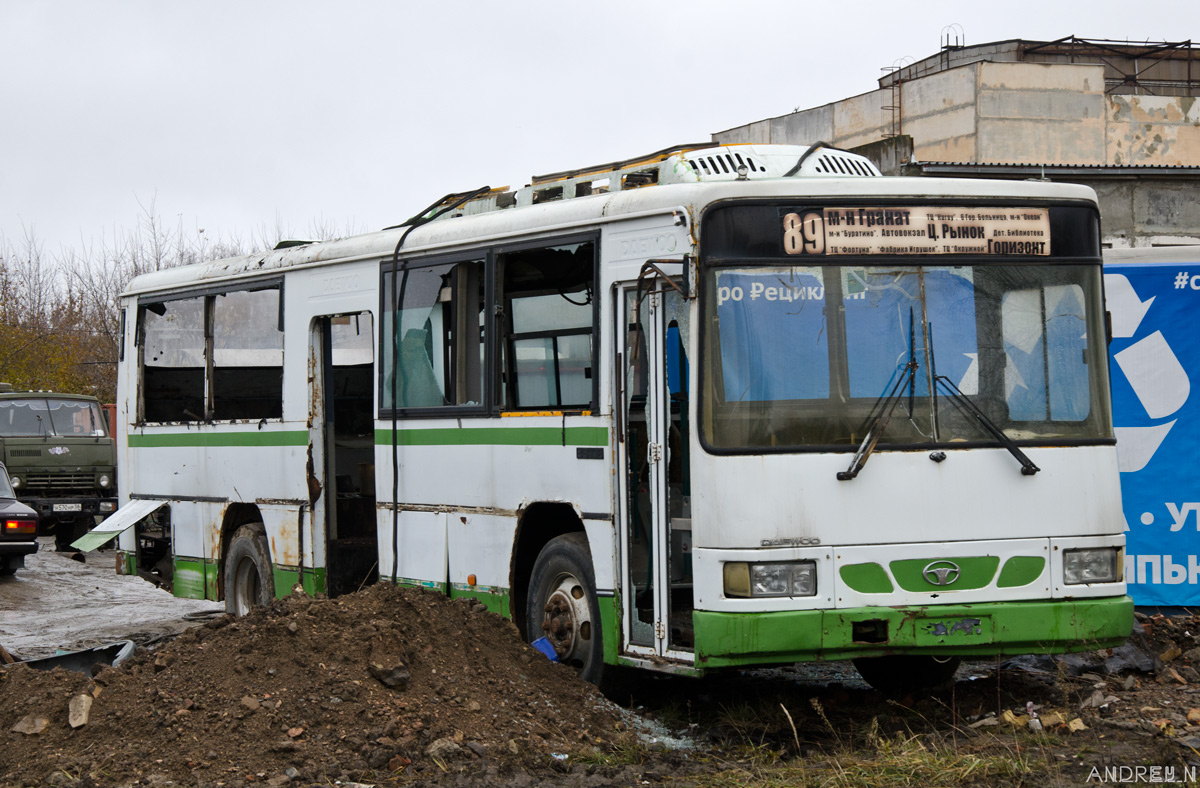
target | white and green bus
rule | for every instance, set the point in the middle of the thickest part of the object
(710, 408)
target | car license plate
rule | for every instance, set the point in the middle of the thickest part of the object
(68, 507)
(958, 631)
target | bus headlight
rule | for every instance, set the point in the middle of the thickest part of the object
(1095, 565)
(16, 482)
(103, 481)
(791, 578)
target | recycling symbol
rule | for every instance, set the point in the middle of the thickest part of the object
(1154, 373)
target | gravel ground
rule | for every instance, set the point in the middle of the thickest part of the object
(56, 602)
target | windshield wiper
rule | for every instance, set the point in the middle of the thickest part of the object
(886, 404)
(955, 395)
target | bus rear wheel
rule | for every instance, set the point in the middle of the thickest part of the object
(907, 672)
(249, 581)
(562, 605)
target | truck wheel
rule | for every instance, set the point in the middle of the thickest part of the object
(249, 579)
(907, 672)
(68, 530)
(562, 605)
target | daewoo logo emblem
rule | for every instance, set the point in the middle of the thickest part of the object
(58, 450)
(941, 573)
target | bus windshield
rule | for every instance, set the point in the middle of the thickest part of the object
(38, 417)
(800, 356)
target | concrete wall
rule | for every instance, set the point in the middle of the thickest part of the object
(1025, 113)
(988, 113)
(940, 114)
(1148, 211)
(1033, 113)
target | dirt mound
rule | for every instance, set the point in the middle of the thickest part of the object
(385, 682)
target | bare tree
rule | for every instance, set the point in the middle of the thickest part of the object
(60, 314)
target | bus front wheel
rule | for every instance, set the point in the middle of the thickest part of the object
(907, 672)
(249, 581)
(562, 605)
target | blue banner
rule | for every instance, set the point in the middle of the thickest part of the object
(1155, 349)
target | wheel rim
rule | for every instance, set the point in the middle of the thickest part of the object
(245, 586)
(567, 620)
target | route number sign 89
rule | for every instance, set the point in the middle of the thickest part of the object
(804, 234)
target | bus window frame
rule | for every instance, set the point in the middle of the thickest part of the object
(496, 309)
(705, 263)
(209, 295)
(494, 331)
(387, 312)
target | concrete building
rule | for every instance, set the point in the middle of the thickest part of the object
(1120, 117)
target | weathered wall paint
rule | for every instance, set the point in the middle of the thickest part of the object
(1163, 130)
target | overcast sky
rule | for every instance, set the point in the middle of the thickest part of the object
(238, 116)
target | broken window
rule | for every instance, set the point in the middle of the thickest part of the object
(352, 347)
(173, 360)
(247, 355)
(436, 342)
(213, 356)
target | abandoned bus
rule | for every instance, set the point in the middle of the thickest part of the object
(715, 407)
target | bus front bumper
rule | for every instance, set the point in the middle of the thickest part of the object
(977, 630)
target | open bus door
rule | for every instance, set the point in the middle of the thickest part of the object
(341, 468)
(656, 497)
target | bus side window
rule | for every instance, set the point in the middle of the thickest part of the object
(549, 348)
(173, 360)
(247, 355)
(1045, 335)
(438, 336)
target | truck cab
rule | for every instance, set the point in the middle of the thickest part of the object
(61, 459)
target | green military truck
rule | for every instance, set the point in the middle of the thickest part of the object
(61, 458)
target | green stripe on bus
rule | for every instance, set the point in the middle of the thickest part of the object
(188, 578)
(496, 436)
(164, 439)
(975, 630)
(496, 600)
(286, 578)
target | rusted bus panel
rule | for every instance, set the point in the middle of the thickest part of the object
(283, 533)
(212, 550)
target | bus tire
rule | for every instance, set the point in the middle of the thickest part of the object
(249, 579)
(907, 672)
(562, 605)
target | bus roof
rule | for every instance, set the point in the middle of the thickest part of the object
(497, 224)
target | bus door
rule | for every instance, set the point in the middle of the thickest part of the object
(656, 495)
(342, 461)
